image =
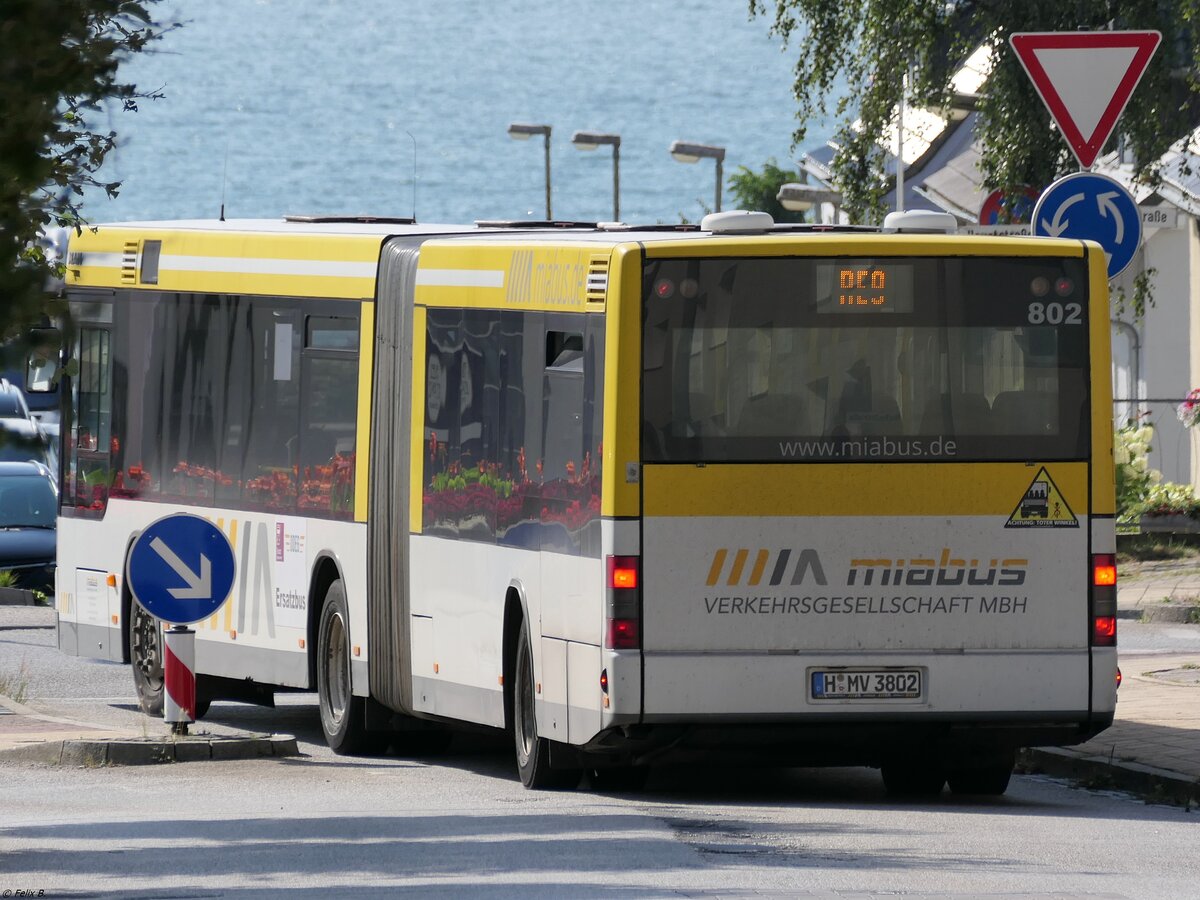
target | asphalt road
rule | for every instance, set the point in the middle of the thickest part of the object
(463, 825)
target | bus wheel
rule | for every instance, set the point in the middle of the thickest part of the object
(989, 779)
(533, 752)
(342, 714)
(911, 778)
(145, 653)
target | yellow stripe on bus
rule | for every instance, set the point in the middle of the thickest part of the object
(362, 440)
(622, 385)
(514, 276)
(831, 489)
(877, 245)
(417, 448)
(335, 266)
(1104, 492)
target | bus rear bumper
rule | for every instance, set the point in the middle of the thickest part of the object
(841, 743)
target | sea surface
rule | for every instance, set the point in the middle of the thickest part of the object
(277, 107)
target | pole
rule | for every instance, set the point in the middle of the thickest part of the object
(900, 144)
(717, 208)
(414, 142)
(179, 678)
(549, 216)
(616, 182)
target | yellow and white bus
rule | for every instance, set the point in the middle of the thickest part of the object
(637, 495)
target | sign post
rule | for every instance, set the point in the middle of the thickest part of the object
(180, 570)
(1085, 78)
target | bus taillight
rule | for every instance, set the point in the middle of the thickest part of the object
(623, 634)
(622, 625)
(1104, 631)
(1104, 600)
(623, 572)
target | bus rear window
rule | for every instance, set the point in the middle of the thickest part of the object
(862, 359)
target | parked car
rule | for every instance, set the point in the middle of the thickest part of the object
(25, 440)
(12, 402)
(28, 514)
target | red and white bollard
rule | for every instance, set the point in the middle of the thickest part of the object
(179, 678)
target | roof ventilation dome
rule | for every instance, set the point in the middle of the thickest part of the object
(920, 221)
(737, 221)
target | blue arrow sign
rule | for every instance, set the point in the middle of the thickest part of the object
(181, 569)
(1090, 207)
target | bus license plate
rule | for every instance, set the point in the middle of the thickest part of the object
(887, 684)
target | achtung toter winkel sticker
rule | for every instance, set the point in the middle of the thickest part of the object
(1042, 506)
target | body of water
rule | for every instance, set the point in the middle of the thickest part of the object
(319, 106)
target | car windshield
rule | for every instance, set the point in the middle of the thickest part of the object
(26, 501)
(10, 405)
(19, 448)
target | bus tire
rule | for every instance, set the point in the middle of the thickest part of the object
(533, 752)
(990, 779)
(146, 660)
(913, 778)
(342, 714)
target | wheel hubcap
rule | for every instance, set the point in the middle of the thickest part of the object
(337, 672)
(146, 652)
(526, 727)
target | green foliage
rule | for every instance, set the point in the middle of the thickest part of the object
(8, 578)
(1131, 448)
(1169, 499)
(871, 43)
(758, 190)
(1141, 297)
(58, 67)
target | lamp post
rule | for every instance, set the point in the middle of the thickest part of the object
(684, 152)
(590, 140)
(798, 197)
(521, 131)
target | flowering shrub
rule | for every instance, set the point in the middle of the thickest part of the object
(1131, 446)
(1189, 410)
(1170, 500)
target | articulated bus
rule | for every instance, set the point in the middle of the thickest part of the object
(793, 494)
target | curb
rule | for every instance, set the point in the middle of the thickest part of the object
(1176, 614)
(150, 751)
(1152, 784)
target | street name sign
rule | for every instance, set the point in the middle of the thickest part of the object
(181, 569)
(1090, 207)
(1085, 78)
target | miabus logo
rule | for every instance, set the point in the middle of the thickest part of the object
(796, 564)
(944, 571)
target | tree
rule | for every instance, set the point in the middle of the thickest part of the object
(758, 190)
(872, 43)
(59, 64)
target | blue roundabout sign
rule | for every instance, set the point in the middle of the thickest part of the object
(1091, 207)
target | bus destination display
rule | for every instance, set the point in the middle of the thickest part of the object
(864, 286)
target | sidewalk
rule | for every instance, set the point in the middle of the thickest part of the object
(1153, 747)
(30, 735)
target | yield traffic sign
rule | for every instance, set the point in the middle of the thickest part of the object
(1085, 78)
(1092, 207)
(181, 569)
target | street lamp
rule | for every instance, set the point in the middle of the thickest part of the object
(521, 131)
(693, 153)
(590, 140)
(798, 197)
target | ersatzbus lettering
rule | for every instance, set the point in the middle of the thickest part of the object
(636, 495)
